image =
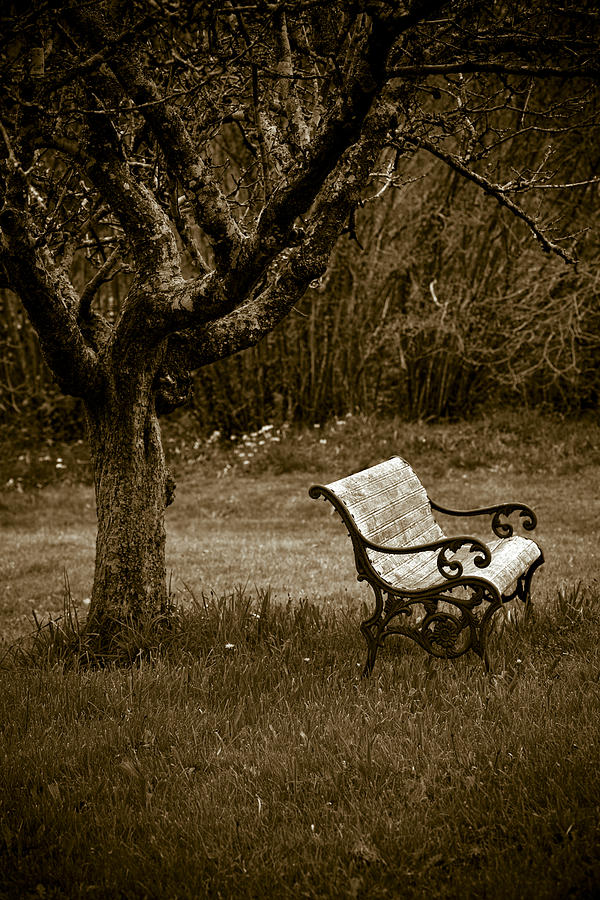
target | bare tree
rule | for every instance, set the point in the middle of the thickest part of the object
(214, 152)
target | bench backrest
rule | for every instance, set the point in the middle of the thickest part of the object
(389, 504)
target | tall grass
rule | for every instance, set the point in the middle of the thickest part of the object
(245, 757)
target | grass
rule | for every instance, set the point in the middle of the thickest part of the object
(244, 756)
(248, 759)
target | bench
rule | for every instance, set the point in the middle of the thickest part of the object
(441, 591)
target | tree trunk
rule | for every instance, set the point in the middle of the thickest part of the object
(132, 490)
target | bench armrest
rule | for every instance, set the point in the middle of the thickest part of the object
(500, 529)
(449, 568)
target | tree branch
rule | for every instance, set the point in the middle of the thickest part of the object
(104, 274)
(105, 164)
(91, 64)
(50, 302)
(247, 324)
(298, 129)
(468, 66)
(494, 190)
(338, 132)
(210, 208)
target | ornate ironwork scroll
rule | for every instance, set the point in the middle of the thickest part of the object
(452, 568)
(444, 624)
(501, 529)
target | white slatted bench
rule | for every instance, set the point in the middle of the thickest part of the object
(441, 591)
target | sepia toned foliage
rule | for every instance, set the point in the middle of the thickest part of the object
(206, 158)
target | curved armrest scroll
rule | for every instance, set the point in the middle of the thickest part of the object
(501, 529)
(449, 568)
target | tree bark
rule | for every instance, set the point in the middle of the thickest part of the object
(133, 488)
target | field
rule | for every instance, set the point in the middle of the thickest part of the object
(246, 757)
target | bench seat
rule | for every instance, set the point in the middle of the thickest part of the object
(510, 557)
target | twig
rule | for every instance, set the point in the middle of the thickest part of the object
(7, 142)
(519, 187)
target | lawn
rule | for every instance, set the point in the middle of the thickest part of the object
(248, 758)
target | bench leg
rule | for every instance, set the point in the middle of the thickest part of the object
(446, 627)
(438, 632)
(375, 629)
(372, 629)
(527, 587)
(370, 663)
(523, 593)
(523, 588)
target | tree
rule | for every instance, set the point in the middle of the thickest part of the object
(213, 152)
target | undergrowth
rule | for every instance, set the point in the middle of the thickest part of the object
(515, 440)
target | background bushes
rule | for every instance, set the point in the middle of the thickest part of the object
(436, 303)
(439, 304)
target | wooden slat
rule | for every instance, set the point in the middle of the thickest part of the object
(389, 504)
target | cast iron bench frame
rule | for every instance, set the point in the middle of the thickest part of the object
(459, 580)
